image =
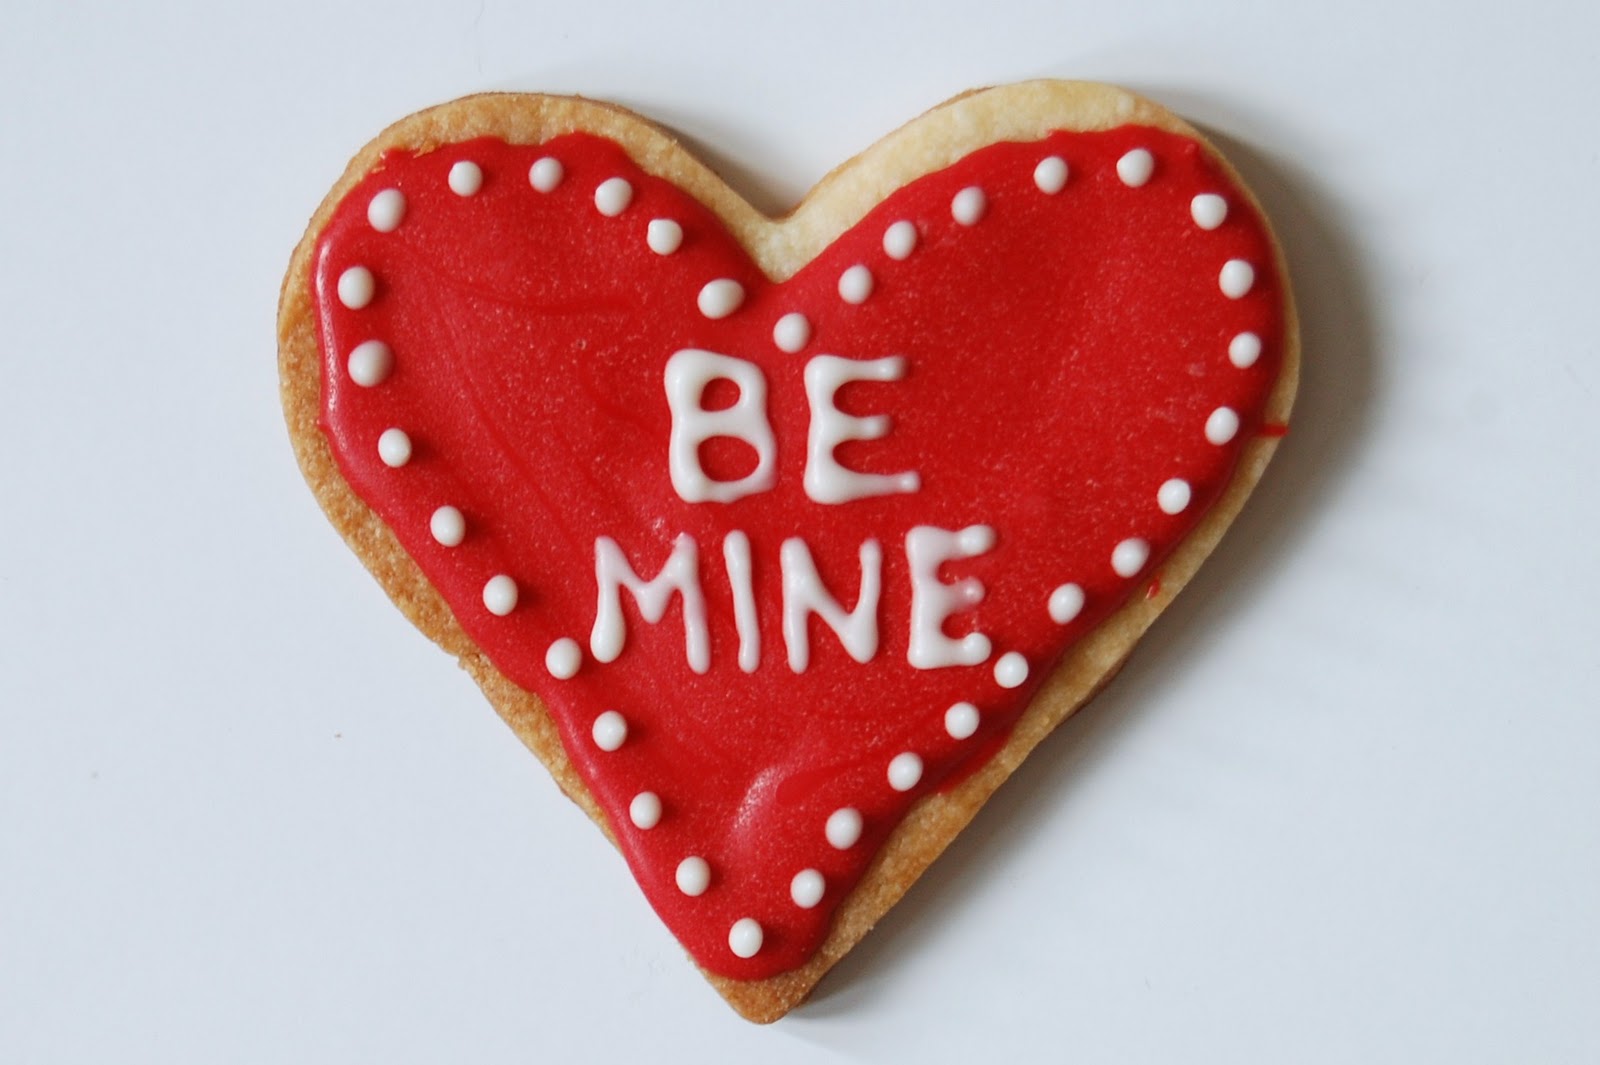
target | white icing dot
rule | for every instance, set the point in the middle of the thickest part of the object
(645, 810)
(612, 196)
(1208, 210)
(563, 658)
(792, 332)
(720, 298)
(905, 771)
(1244, 350)
(466, 178)
(1173, 496)
(370, 363)
(1051, 175)
(1066, 603)
(500, 595)
(1011, 670)
(1222, 426)
(356, 287)
(968, 205)
(855, 284)
(386, 210)
(1236, 278)
(394, 448)
(961, 721)
(1129, 557)
(664, 236)
(448, 526)
(1136, 167)
(807, 887)
(693, 876)
(545, 174)
(900, 240)
(745, 937)
(843, 828)
(610, 732)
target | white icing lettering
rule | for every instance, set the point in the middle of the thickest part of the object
(736, 556)
(858, 629)
(933, 601)
(688, 373)
(680, 574)
(804, 594)
(825, 480)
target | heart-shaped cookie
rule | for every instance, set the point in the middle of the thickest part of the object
(782, 542)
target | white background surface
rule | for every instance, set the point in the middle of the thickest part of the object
(1344, 805)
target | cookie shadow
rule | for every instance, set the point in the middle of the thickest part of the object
(1339, 383)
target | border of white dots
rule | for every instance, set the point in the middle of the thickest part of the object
(718, 298)
(1208, 211)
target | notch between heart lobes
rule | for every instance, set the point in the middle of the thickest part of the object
(820, 581)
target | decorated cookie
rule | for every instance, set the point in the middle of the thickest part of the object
(782, 542)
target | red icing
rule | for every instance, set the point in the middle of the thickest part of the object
(1063, 356)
